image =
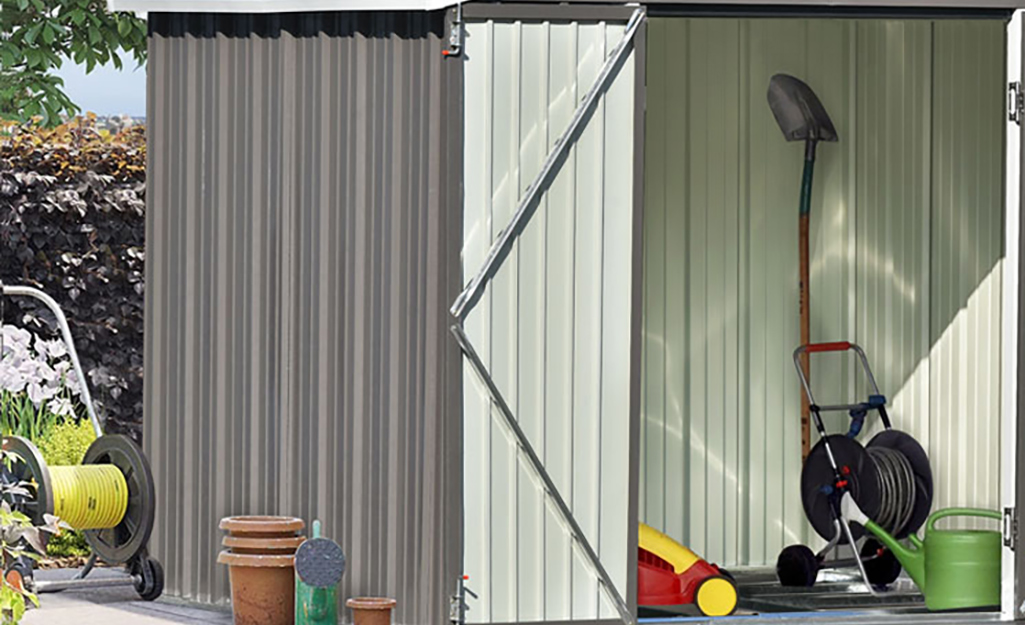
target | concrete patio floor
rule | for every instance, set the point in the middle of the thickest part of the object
(113, 606)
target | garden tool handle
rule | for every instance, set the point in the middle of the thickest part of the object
(839, 346)
(930, 525)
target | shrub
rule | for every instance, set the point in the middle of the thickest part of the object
(66, 442)
(72, 224)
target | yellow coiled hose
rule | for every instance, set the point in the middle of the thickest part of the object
(89, 497)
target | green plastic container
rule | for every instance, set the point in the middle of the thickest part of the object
(955, 569)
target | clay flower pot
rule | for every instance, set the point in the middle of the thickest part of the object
(262, 588)
(371, 610)
(262, 526)
(265, 546)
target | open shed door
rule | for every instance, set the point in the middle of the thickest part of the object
(546, 320)
(1013, 357)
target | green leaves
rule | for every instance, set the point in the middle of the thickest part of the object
(36, 36)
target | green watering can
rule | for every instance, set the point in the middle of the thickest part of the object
(954, 569)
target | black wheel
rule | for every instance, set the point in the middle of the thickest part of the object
(118, 545)
(797, 566)
(884, 568)
(151, 579)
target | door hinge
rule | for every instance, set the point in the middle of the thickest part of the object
(1015, 102)
(1011, 528)
(456, 34)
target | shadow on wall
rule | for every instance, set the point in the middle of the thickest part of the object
(906, 250)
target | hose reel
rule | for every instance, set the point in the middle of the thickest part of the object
(110, 497)
(890, 479)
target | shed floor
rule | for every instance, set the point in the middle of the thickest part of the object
(838, 597)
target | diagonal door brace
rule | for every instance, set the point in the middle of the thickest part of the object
(528, 204)
(550, 488)
(499, 251)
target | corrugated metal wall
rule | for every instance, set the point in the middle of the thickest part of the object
(554, 327)
(906, 248)
(303, 231)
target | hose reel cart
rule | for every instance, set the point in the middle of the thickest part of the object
(110, 497)
(889, 478)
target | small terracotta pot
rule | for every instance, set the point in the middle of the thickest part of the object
(371, 610)
(262, 588)
(266, 546)
(262, 526)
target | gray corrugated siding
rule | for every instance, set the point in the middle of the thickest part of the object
(303, 236)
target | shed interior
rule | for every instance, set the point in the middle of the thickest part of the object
(907, 238)
(906, 260)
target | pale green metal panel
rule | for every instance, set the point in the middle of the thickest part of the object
(967, 235)
(554, 327)
(720, 442)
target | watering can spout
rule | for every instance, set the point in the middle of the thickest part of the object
(912, 559)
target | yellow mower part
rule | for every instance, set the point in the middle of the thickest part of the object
(89, 497)
(654, 541)
(716, 596)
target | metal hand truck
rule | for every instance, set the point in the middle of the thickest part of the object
(890, 476)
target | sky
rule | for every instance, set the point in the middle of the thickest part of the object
(107, 91)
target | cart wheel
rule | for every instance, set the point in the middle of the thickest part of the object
(883, 569)
(716, 596)
(151, 583)
(797, 566)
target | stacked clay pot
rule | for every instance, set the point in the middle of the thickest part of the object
(260, 555)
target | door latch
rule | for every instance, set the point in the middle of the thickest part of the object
(1010, 528)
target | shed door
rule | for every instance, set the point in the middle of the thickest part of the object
(553, 327)
(1013, 357)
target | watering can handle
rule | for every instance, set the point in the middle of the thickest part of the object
(930, 525)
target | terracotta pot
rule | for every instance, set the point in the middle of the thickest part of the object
(371, 610)
(266, 546)
(262, 588)
(262, 526)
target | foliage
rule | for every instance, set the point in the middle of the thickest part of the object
(19, 538)
(72, 224)
(36, 36)
(66, 443)
(73, 148)
(68, 543)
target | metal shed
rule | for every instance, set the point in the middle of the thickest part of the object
(606, 181)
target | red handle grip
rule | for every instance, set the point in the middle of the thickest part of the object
(840, 346)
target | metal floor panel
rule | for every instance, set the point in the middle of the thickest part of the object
(838, 597)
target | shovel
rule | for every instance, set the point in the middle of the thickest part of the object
(802, 117)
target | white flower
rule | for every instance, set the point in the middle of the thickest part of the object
(56, 349)
(61, 406)
(35, 393)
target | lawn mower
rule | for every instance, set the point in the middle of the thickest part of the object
(669, 574)
(110, 497)
(890, 479)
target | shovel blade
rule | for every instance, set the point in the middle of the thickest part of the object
(798, 111)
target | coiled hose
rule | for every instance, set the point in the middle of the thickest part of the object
(896, 488)
(89, 497)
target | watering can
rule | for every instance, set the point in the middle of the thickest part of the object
(954, 569)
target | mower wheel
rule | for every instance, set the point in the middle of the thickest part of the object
(797, 566)
(716, 596)
(884, 568)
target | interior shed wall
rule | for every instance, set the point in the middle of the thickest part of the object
(303, 229)
(906, 260)
(554, 326)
